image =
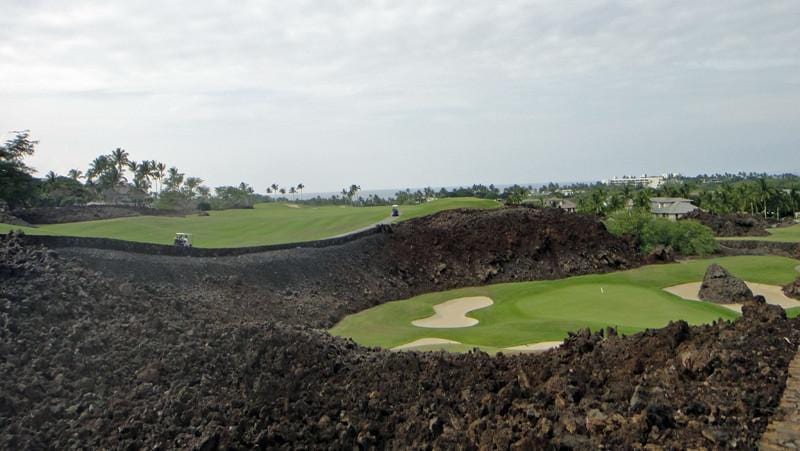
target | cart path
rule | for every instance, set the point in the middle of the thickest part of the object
(783, 431)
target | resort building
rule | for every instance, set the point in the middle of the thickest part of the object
(644, 181)
(672, 208)
(564, 204)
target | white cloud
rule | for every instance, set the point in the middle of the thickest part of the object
(304, 87)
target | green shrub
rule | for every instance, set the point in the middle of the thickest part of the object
(685, 237)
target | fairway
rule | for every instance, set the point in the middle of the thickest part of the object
(268, 223)
(789, 234)
(532, 312)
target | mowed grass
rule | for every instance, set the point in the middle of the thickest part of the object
(270, 223)
(789, 234)
(532, 312)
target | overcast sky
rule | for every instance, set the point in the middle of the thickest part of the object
(406, 93)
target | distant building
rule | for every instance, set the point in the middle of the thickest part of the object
(672, 208)
(647, 181)
(564, 204)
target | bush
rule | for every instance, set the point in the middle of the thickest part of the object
(685, 237)
(204, 206)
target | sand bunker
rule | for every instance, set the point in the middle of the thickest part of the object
(529, 348)
(772, 293)
(536, 347)
(425, 342)
(292, 205)
(452, 314)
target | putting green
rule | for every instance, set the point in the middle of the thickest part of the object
(265, 224)
(533, 312)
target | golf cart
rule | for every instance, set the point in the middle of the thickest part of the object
(395, 210)
(183, 239)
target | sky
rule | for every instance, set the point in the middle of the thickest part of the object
(406, 93)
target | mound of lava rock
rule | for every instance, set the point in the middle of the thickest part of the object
(88, 362)
(793, 289)
(722, 287)
(507, 244)
(732, 224)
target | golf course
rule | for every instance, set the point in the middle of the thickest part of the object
(267, 223)
(544, 311)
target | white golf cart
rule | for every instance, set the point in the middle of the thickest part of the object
(183, 239)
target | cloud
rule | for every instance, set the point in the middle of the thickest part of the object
(435, 81)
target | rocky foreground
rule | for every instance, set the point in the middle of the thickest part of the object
(88, 361)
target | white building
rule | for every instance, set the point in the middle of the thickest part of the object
(649, 181)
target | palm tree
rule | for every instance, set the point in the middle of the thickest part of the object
(159, 172)
(191, 184)
(75, 174)
(354, 189)
(51, 177)
(292, 191)
(119, 158)
(174, 179)
(300, 188)
(282, 191)
(274, 187)
(97, 167)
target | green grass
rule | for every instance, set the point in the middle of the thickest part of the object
(265, 224)
(789, 234)
(793, 312)
(532, 312)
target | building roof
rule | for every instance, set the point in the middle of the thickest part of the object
(669, 200)
(677, 208)
(562, 203)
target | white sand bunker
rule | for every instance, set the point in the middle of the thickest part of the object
(452, 314)
(529, 348)
(772, 293)
(425, 342)
(536, 347)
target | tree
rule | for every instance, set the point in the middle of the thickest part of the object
(300, 188)
(17, 185)
(174, 179)
(98, 166)
(119, 158)
(191, 184)
(75, 174)
(351, 192)
(50, 177)
(17, 148)
(292, 191)
(159, 171)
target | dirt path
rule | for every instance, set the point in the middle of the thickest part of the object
(772, 293)
(453, 313)
(783, 432)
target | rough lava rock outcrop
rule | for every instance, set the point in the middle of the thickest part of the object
(793, 289)
(221, 361)
(731, 224)
(722, 287)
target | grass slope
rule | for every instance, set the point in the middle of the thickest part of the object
(265, 224)
(532, 312)
(789, 234)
